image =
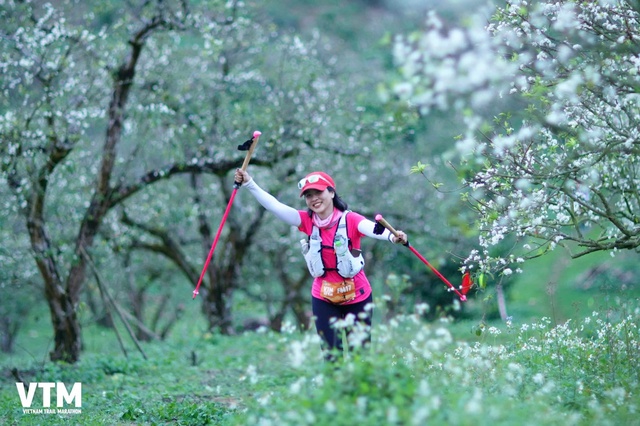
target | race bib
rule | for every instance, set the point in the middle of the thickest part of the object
(338, 293)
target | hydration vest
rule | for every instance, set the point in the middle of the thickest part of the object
(348, 265)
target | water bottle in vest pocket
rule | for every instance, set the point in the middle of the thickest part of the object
(348, 264)
(313, 256)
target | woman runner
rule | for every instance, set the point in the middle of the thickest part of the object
(340, 287)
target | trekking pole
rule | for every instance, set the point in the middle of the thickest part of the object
(382, 223)
(248, 146)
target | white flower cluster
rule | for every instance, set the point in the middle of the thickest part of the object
(588, 364)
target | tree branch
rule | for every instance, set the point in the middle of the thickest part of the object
(168, 247)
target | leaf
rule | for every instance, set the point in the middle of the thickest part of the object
(418, 168)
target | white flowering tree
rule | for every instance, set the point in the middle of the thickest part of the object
(549, 97)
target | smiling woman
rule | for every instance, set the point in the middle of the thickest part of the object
(332, 251)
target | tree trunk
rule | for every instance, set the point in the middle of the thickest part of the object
(502, 303)
(8, 332)
(217, 305)
(67, 331)
(293, 295)
(62, 301)
(66, 328)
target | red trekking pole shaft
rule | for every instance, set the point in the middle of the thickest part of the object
(386, 224)
(253, 142)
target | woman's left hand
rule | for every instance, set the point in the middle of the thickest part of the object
(401, 238)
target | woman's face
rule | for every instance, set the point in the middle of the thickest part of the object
(320, 202)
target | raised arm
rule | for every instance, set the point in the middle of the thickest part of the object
(285, 213)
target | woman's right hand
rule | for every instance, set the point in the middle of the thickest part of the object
(242, 176)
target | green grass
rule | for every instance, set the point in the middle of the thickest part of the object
(555, 363)
(553, 286)
(167, 388)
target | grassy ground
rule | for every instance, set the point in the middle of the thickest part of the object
(529, 371)
(562, 288)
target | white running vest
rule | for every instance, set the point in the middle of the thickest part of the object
(347, 264)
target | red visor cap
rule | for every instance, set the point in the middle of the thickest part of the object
(315, 180)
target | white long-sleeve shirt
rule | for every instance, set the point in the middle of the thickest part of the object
(291, 216)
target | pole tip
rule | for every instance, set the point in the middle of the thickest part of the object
(463, 298)
(378, 217)
(195, 293)
(257, 133)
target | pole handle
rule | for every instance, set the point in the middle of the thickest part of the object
(381, 220)
(247, 158)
